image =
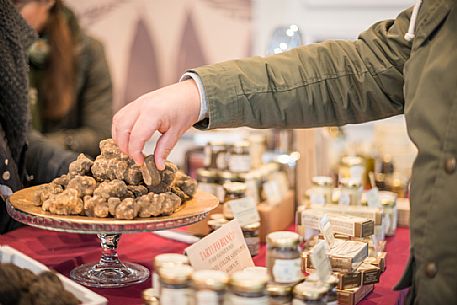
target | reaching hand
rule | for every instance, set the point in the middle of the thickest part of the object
(171, 110)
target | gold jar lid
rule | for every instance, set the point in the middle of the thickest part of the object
(310, 291)
(149, 298)
(203, 174)
(243, 281)
(283, 239)
(230, 176)
(217, 223)
(235, 187)
(387, 198)
(251, 227)
(259, 271)
(216, 216)
(350, 182)
(322, 181)
(210, 279)
(351, 161)
(170, 258)
(175, 274)
(241, 147)
(279, 289)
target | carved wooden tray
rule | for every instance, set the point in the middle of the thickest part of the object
(20, 207)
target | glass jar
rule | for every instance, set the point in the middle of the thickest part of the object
(216, 154)
(162, 260)
(351, 167)
(279, 294)
(240, 158)
(252, 238)
(258, 271)
(215, 224)
(248, 288)
(309, 293)
(321, 192)
(175, 285)
(389, 208)
(254, 183)
(208, 181)
(350, 191)
(149, 297)
(232, 190)
(209, 287)
(283, 257)
(257, 149)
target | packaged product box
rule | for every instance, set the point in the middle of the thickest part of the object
(374, 214)
(379, 261)
(370, 274)
(349, 280)
(341, 224)
(355, 295)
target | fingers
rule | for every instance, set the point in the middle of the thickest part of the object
(123, 123)
(141, 132)
(163, 148)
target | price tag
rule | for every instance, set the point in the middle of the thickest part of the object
(373, 198)
(326, 229)
(244, 210)
(321, 261)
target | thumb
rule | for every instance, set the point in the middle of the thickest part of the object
(163, 148)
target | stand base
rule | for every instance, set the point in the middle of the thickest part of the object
(93, 275)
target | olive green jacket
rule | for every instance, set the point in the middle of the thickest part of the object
(378, 75)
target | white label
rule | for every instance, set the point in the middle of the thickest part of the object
(206, 297)
(320, 261)
(327, 231)
(240, 164)
(373, 198)
(286, 271)
(156, 284)
(238, 300)
(345, 197)
(175, 296)
(244, 210)
(317, 196)
(272, 192)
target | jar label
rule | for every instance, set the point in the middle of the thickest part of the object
(170, 296)
(286, 271)
(240, 164)
(206, 297)
(238, 300)
(253, 244)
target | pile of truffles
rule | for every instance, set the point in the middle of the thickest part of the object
(113, 185)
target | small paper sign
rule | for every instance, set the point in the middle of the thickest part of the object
(244, 210)
(321, 261)
(225, 249)
(326, 229)
(373, 200)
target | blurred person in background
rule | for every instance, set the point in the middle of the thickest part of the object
(70, 83)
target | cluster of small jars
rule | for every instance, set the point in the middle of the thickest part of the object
(323, 191)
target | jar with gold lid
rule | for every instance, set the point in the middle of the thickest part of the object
(321, 192)
(162, 260)
(233, 191)
(248, 288)
(215, 224)
(208, 181)
(331, 297)
(283, 257)
(175, 285)
(351, 167)
(350, 191)
(279, 294)
(309, 293)
(252, 238)
(149, 297)
(240, 157)
(216, 155)
(209, 287)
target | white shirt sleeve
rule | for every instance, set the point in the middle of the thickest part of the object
(201, 90)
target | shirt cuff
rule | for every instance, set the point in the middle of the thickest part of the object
(201, 90)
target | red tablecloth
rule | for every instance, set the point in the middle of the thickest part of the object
(64, 251)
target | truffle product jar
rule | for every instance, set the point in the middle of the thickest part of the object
(162, 260)
(248, 288)
(232, 190)
(208, 181)
(283, 257)
(215, 224)
(216, 154)
(149, 297)
(351, 167)
(209, 287)
(257, 149)
(240, 158)
(350, 191)
(175, 285)
(309, 293)
(279, 294)
(321, 192)
(252, 238)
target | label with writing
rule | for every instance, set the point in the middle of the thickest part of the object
(326, 229)
(286, 271)
(244, 210)
(175, 296)
(320, 261)
(224, 250)
(206, 297)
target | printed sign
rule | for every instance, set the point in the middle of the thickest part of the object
(245, 211)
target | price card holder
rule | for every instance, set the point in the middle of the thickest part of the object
(245, 211)
(321, 261)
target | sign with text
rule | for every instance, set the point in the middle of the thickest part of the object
(244, 210)
(225, 249)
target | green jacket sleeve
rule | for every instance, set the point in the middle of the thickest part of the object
(330, 83)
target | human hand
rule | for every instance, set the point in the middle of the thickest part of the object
(171, 110)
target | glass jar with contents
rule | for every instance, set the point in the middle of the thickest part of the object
(321, 192)
(232, 190)
(350, 191)
(253, 182)
(252, 238)
(279, 294)
(208, 181)
(248, 288)
(175, 285)
(215, 224)
(283, 257)
(209, 287)
(257, 149)
(309, 293)
(216, 154)
(390, 210)
(240, 158)
(162, 260)
(351, 167)
(149, 297)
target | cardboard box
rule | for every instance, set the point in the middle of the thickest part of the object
(374, 214)
(354, 296)
(403, 207)
(341, 224)
(349, 280)
(370, 274)
(379, 261)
